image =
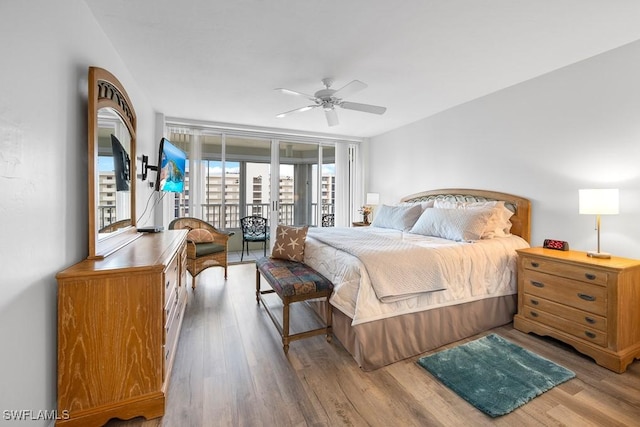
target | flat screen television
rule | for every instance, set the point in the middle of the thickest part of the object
(171, 168)
(121, 164)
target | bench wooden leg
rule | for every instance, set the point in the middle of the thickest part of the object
(329, 321)
(285, 327)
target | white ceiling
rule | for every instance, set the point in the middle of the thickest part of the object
(220, 60)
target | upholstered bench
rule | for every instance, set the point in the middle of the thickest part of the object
(292, 282)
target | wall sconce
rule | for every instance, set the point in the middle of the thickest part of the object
(598, 202)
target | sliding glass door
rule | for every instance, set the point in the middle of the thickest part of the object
(235, 176)
(288, 181)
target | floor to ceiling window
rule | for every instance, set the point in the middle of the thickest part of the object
(231, 177)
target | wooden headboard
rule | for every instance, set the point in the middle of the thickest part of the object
(520, 206)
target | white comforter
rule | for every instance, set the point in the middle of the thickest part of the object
(473, 271)
(397, 269)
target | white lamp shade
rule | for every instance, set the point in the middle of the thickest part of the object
(598, 201)
(373, 199)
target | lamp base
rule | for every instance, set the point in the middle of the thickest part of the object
(601, 255)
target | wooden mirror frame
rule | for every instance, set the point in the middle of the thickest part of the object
(106, 91)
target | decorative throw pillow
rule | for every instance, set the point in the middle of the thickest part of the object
(199, 235)
(397, 217)
(289, 243)
(462, 225)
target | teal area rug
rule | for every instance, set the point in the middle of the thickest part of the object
(494, 374)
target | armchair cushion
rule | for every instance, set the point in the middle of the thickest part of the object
(208, 248)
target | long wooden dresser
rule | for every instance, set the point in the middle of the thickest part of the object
(119, 320)
(590, 303)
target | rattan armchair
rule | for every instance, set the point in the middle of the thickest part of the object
(206, 245)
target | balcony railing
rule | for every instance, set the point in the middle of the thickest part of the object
(212, 213)
(106, 215)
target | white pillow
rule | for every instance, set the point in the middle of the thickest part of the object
(497, 226)
(397, 217)
(461, 225)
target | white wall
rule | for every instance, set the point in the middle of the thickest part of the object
(577, 127)
(46, 50)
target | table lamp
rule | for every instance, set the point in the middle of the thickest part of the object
(373, 199)
(598, 202)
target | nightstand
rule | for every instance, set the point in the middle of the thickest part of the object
(360, 224)
(591, 304)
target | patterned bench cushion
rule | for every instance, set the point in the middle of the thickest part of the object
(289, 278)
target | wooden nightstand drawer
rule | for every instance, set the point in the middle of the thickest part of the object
(588, 320)
(591, 298)
(581, 273)
(560, 323)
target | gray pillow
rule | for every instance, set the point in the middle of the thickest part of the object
(397, 217)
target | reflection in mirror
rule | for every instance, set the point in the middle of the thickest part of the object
(112, 167)
(114, 145)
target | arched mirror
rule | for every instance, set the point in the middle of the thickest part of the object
(112, 166)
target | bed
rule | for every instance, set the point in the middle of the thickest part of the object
(480, 290)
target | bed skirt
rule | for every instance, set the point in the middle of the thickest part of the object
(382, 342)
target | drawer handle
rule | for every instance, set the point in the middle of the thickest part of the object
(590, 276)
(586, 297)
(590, 334)
(167, 284)
(534, 314)
(534, 302)
(535, 264)
(537, 284)
(590, 320)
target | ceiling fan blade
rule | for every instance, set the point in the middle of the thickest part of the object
(332, 116)
(349, 89)
(363, 107)
(297, 110)
(296, 93)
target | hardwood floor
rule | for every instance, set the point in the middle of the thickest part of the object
(230, 370)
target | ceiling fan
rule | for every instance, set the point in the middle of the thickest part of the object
(328, 99)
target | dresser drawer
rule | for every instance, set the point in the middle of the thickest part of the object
(591, 298)
(171, 278)
(170, 305)
(575, 272)
(567, 326)
(588, 320)
(172, 327)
